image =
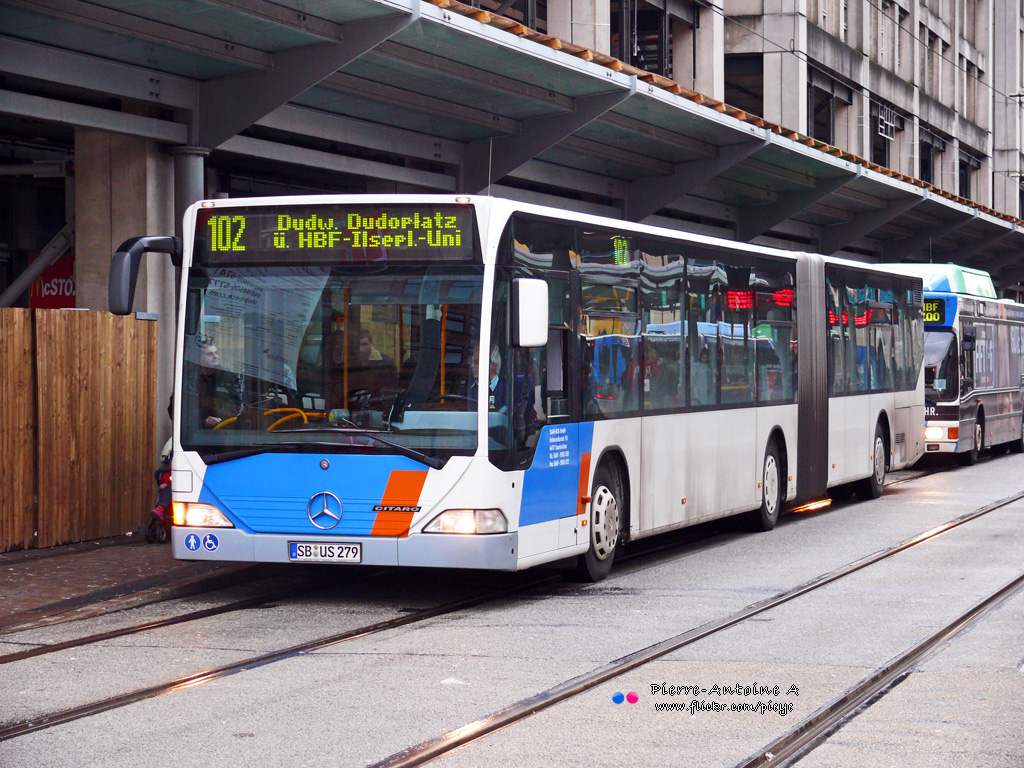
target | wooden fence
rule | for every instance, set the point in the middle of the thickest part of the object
(77, 441)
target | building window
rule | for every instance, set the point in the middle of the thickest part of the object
(884, 125)
(744, 82)
(822, 114)
(927, 163)
(966, 170)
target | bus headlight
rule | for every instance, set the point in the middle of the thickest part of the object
(934, 433)
(195, 515)
(468, 521)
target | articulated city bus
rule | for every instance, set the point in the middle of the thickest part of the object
(974, 361)
(473, 382)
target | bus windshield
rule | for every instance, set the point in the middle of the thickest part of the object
(941, 374)
(359, 358)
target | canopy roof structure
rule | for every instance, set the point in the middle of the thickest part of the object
(445, 97)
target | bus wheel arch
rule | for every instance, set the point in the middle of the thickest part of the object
(609, 518)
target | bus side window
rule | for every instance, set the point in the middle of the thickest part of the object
(704, 281)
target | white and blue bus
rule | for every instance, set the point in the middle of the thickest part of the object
(474, 382)
(974, 364)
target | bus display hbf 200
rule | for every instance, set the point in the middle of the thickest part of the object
(472, 382)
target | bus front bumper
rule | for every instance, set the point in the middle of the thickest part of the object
(943, 437)
(432, 550)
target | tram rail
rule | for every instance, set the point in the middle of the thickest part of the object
(429, 750)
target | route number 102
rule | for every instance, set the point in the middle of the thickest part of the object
(226, 233)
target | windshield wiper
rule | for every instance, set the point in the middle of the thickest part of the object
(255, 450)
(412, 453)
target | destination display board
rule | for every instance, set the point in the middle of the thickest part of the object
(355, 234)
(934, 311)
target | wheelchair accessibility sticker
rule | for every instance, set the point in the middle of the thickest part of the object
(209, 542)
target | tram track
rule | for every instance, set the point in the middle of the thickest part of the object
(435, 748)
(44, 618)
(430, 750)
(818, 726)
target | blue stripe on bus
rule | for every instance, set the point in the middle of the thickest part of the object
(551, 486)
(269, 493)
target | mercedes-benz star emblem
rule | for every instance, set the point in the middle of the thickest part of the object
(322, 506)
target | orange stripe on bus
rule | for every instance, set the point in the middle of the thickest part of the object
(403, 490)
(581, 505)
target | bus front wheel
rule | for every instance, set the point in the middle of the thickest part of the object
(970, 458)
(606, 515)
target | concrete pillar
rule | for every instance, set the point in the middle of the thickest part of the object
(785, 74)
(189, 171)
(581, 22)
(709, 43)
(124, 188)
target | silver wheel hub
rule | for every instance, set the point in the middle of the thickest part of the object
(771, 486)
(979, 434)
(879, 461)
(604, 520)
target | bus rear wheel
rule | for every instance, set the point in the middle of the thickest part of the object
(871, 487)
(606, 517)
(767, 515)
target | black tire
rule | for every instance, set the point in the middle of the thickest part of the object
(871, 487)
(162, 533)
(1017, 446)
(766, 516)
(607, 514)
(151, 531)
(970, 458)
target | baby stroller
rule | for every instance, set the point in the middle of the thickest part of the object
(159, 528)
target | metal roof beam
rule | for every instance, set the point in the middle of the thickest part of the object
(754, 220)
(473, 76)
(66, 113)
(95, 16)
(835, 237)
(488, 160)
(615, 155)
(390, 95)
(291, 18)
(231, 104)
(657, 133)
(905, 248)
(355, 166)
(647, 196)
(80, 70)
(968, 252)
(358, 133)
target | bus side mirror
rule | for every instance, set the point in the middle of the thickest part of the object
(124, 268)
(530, 305)
(967, 343)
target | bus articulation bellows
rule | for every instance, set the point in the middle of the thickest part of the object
(472, 382)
